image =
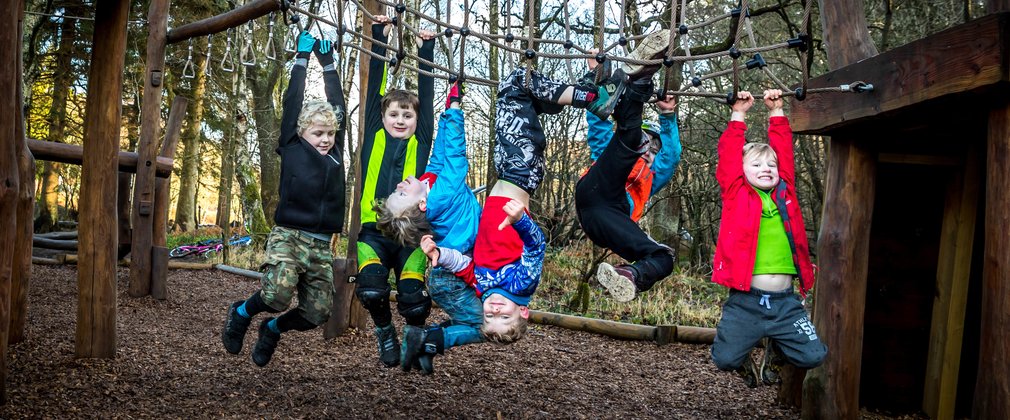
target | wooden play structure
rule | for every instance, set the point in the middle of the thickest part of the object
(913, 295)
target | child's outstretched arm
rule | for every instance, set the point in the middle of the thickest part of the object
(425, 93)
(449, 259)
(666, 161)
(534, 244)
(600, 131)
(780, 135)
(448, 155)
(376, 86)
(334, 91)
(295, 94)
(730, 166)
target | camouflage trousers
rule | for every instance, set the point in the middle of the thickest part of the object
(297, 262)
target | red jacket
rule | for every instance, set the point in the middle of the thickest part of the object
(733, 265)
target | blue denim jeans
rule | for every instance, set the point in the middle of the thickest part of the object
(460, 301)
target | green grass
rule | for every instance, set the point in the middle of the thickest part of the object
(681, 298)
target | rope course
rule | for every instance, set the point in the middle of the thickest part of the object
(397, 53)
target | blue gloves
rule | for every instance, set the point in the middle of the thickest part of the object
(305, 44)
(325, 46)
(324, 53)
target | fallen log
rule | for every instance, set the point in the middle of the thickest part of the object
(662, 334)
(62, 245)
(58, 235)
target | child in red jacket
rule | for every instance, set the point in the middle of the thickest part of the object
(762, 247)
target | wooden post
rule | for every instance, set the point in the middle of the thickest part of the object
(150, 114)
(173, 129)
(10, 51)
(832, 390)
(344, 301)
(992, 387)
(96, 270)
(26, 205)
(953, 272)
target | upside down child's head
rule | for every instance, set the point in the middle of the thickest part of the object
(760, 166)
(505, 321)
(401, 217)
(317, 124)
(399, 113)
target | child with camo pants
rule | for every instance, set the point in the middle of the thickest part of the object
(310, 211)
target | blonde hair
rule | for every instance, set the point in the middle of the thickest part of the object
(516, 331)
(317, 112)
(760, 150)
(405, 228)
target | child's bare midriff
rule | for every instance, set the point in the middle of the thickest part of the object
(504, 188)
(771, 282)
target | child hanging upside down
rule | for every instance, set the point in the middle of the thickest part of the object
(762, 248)
(310, 211)
(509, 248)
(611, 196)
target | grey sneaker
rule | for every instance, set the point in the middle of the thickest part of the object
(235, 327)
(771, 363)
(619, 281)
(389, 345)
(749, 372)
(608, 93)
(652, 47)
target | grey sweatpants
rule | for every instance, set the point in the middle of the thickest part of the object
(747, 317)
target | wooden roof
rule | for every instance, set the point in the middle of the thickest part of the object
(973, 57)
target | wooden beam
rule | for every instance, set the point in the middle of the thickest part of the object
(992, 387)
(96, 274)
(910, 159)
(72, 153)
(150, 114)
(953, 272)
(969, 57)
(832, 390)
(224, 21)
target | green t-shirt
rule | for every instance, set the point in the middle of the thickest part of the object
(773, 253)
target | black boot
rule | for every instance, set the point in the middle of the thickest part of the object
(389, 345)
(265, 345)
(412, 345)
(235, 327)
(434, 344)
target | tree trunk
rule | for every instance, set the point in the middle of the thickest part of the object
(252, 208)
(49, 212)
(262, 82)
(228, 159)
(185, 211)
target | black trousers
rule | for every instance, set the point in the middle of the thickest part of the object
(601, 203)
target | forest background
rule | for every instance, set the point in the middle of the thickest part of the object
(227, 172)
